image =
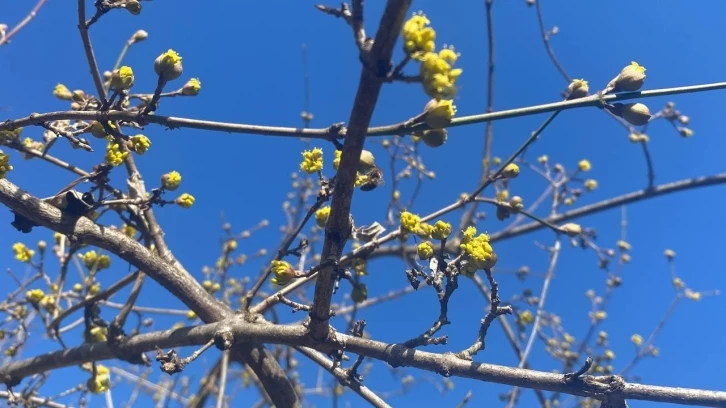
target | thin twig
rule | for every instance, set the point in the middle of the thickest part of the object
(6, 38)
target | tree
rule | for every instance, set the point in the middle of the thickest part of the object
(332, 256)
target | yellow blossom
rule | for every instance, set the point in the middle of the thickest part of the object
(123, 78)
(128, 230)
(99, 384)
(168, 65)
(34, 296)
(93, 260)
(526, 317)
(425, 250)
(140, 144)
(336, 160)
(636, 339)
(22, 252)
(609, 354)
(439, 113)
(284, 273)
(511, 171)
(410, 222)
(171, 180)
(114, 155)
(424, 231)
(567, 337)
(418, 37)
(438, 77)
(312, 160)
(77, 288)
(321, 216)
(185, 200)
(5, 166)
(478, 250)
(192, 87)
(590, 184)
(601, 315)
(98, 334)
(62, 92)
(584, 165)
(442, 230)
(503, 195)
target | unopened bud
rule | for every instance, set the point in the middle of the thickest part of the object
(435, 137)
(636, 114)
(133, 7)
(438, 113)
(571, 229)
(139, 36)
(578, 88)
(630, 79)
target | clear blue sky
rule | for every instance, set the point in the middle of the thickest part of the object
(248, 57)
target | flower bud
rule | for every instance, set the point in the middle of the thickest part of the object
(185, 200)
(75, 106)
(584, 165)
(516, 203)
(636, 114)
(571, 229)
(435, 137)
(502, 213)
(669, 254)
(122, 79)
(79, 95)
(283, 273)
(192, 87)
(168, 65)
(360, 293)
(438, 113)
(139, 36)
(511, 171)
(578, 88)
(367, 161)
(684, 119)
(62, 92)
(590, 184)
(685, 132)
(133, 7)
(171, 180)
(630, 79)
(321, 216)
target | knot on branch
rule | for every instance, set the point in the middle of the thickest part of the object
(223, 340)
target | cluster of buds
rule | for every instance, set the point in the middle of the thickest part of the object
(630, 79)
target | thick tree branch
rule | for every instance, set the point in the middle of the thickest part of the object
(177, 281)
(338, 227)
(600, 388)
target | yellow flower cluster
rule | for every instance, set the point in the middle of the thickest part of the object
(312, 160)
(410, 222)
(185, 200)
(34, 296)
(438, 75)
(171, 180)
(321, 216)
(114, 154)
(8, 135)
(31, 144)
(442, 230)
(140, 144)
(418, 37)
(336, 160)
(425, 250)
(22, 252)
(97, 335)
(478, 249)
(122, 79)
(5, 166)
(101, 382)
(91, 259)
(283, 272)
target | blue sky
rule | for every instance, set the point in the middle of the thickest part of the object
(248, 58)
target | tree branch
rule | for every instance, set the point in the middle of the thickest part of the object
(338, 227)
